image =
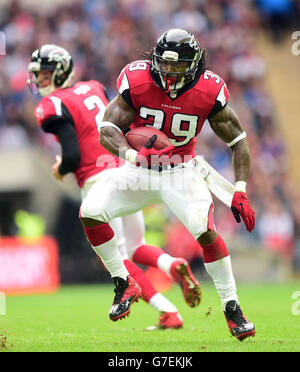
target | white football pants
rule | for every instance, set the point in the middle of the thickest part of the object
(129, 230)
(128, 189)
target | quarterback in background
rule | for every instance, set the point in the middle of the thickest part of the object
(175, 93)
(73, 114)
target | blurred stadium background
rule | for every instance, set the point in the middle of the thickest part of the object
(249, 44)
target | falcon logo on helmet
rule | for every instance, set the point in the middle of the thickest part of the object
(176, 58)
(52, 58)
(194, 43)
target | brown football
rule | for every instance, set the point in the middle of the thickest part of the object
(138, 137)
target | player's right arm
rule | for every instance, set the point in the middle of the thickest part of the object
(118, 116)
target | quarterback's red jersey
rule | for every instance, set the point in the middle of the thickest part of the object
(180, 117)
(83, 104)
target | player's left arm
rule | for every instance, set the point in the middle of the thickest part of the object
(71, 155)
(228, 128)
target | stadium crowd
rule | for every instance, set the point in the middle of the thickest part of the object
(105, 35)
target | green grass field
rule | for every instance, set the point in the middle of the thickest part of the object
(76, 319)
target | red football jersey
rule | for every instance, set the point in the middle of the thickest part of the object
(180, 117)
(84, 104)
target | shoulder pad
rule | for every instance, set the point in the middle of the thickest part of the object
(133, 74)
(48, 107)
(214, 86)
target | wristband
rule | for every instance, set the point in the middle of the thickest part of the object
(131, 155)
(108, 124)
(237, 139)
(240, 186)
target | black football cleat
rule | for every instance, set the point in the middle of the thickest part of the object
(239, 326)
(126, 293)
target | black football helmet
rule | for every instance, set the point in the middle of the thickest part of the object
(176, 58)
(52, 58)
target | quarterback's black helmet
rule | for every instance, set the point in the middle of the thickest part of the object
(176, 58)
(52, 58)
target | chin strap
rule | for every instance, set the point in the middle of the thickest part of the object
(46, 91)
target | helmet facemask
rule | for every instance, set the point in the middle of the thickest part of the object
(173, 71)
(34, 85)
(176, 59)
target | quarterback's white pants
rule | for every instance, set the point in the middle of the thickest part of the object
(128, 189)
(129, 230)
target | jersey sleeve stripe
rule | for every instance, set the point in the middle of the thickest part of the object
(124, 84)
(220, 102)
(57, 104)
(222, 98)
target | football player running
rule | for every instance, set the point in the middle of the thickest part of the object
(174, 92)
(72, 113)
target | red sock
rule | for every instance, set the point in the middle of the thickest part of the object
(215, 251)
(140, 277)
(147, 255)
(99, 234)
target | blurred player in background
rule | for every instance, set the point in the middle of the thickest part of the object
(72, 113)
(175, 92)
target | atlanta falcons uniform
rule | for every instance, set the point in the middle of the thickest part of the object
(174, 93)
(181, 118)
(74, 115)
(83, 106)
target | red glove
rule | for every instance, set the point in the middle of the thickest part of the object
(149, 156)
(241, 207)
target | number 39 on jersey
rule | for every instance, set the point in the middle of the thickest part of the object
(180, 118)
